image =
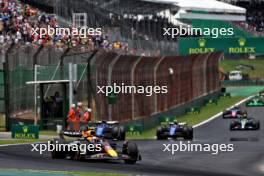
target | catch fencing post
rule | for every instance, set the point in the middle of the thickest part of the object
(89, 83)
(7, 86)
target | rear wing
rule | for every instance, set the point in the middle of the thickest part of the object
(72, 133)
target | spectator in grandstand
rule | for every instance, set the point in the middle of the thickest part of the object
(254, 17)
(17, 22)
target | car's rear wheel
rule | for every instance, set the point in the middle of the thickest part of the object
(159, 134)
(188, 133)
(78, 155)
(58, 154)
(122, 133)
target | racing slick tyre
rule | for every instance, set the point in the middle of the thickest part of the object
(77, 155)
(159, 134)
(58, 154)
(131, 150)
(122, 133)
(188, 133)
(224, 115)
(257, 125)
(118, 133)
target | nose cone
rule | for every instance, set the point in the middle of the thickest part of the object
(112, 153)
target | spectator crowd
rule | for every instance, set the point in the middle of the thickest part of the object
(17, 21)
(254, 17)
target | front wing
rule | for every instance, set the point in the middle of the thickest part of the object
(254, 103)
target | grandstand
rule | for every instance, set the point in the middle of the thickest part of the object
(140, 23)
(254, 17)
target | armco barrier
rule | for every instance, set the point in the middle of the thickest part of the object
(242, 83)
(186, 78)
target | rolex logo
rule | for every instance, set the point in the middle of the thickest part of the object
(25, 129)
(131, 129)
(202, 42)
(242, 42)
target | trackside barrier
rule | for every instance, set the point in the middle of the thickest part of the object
(242, 83)
(134, 129)
(225, 95)
(21, 131)
(193, 110)
(211, 101)
(185, 78)
(166, 119)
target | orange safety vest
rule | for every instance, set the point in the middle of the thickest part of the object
(71, 115)
(86, 117)
(78, 114)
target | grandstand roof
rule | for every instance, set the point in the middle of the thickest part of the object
(203, 5)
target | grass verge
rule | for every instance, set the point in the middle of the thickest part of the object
(258, 72)
(2, 123)
(21, 141)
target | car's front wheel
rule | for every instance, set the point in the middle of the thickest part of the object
(131, 150)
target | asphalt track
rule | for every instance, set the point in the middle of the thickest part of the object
(247, 159)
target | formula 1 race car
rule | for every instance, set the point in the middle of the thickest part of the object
(234, 112)
(109, 130)
(175, 130)
(261, 94)
(255, 102)
(96, 148)
(245, 124)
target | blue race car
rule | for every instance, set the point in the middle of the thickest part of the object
(110, 130)
(175, 130)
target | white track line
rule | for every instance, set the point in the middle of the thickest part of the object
(8, 145)
(220, 113)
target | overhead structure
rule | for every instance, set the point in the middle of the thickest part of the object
(205, 9)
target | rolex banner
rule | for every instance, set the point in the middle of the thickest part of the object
(25, 131)
(236, 45)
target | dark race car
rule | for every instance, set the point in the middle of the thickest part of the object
(175, 130)
(234, 112)
(245, 124)
(261, 94)
(255, 102)
(89, 147)
(109, 130)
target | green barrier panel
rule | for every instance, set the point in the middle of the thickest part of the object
(134, 129)
(193, 110)
(112, 99)
(25, 131)
(166, 119)
(211, 101)
(225, 95)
